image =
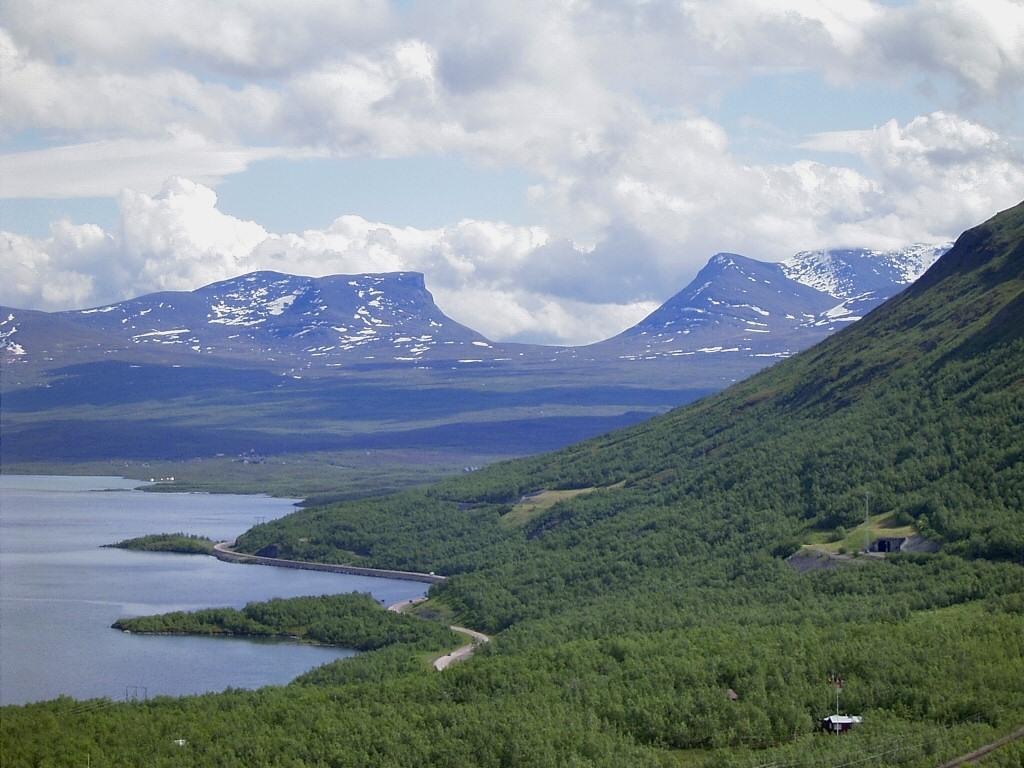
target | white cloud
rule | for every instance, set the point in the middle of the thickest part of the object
(104, 168)
(179, 240)
(937, 175)
(662, 204)
(56, 272)
(247, 38)
(524, 82)
(980, 44)
(87, 102)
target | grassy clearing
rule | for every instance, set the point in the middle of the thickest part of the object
(877, 527)
(535, 504)
(433, 610)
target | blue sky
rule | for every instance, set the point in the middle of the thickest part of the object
(554, 169)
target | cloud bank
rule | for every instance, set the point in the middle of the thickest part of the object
(607, 104)
(652, 208)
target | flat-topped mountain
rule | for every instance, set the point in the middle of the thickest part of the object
(260, 317)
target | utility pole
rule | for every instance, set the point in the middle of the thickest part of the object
(867, 522)
(837, 682)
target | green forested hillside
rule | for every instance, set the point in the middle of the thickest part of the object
(625, 615)
(920, 406)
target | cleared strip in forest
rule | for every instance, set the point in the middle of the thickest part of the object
(972, 757)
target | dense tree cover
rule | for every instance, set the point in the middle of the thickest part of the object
(182, 543)
(934, 683)
(625, 615)
(352, 620)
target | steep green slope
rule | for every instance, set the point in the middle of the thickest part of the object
(626, 614)
(919, 406)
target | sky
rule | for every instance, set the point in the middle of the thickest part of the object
(556, 169)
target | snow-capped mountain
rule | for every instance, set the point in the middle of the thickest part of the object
(301, 322)
(849, 272)
(743, 307)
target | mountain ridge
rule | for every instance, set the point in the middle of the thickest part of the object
(307, 324)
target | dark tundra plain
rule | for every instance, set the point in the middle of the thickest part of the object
(642, 606)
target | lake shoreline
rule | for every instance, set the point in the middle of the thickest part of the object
(54, 529)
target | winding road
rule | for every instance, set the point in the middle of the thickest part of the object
(464, 652)
(476, 639)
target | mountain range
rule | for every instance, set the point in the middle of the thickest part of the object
(292, 364)
(295, 324)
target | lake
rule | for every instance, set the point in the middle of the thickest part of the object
(60, 592)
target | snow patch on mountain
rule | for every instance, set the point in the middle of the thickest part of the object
(8, 329)
(844, 273)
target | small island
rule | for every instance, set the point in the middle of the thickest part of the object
(354, 620)
(182, 543)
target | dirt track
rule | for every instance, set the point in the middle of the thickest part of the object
(459, 654)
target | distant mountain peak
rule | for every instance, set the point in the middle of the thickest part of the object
(740, 306)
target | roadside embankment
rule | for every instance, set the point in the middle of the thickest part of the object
(222, 551)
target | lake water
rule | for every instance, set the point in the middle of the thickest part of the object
(60, 592)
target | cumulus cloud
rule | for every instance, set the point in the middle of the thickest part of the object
(463, 67)
(981, 45)
(936, 175)
(179, 240)
(57, 271)
(678, 186)
(95, 102)
(668, 200)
